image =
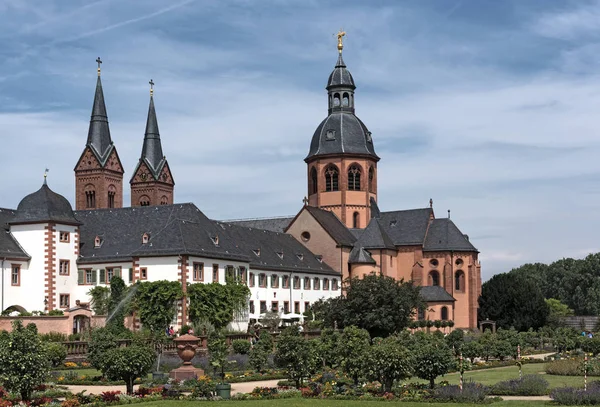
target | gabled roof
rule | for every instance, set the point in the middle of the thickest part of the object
(435, 293)
(9, 247)
(276, 224)
(374, 237)
(332, 225)
(173, 229)
(269, 250)
(359, 255)
(407, 227)
(444, 235)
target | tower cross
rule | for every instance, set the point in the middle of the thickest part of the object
(151, 87)
(99, 61)
(305, 201)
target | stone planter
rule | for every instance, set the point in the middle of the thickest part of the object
(186, 346)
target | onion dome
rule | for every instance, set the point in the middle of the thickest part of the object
(45, 205)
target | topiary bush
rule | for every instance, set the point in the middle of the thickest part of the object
(241, 346)
(471, 393)
(529, 385)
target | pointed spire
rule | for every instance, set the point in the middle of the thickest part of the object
(46, 176)
(152, 150)
(99, 133)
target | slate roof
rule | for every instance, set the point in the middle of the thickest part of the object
(45, 205)
(435, 293)
(152, 153)
(9, 247)
(99, 139)
(374, 237)
(277, 224)
(173, 230)
(359, 255)
(332, 225)
(443, 234)
(340, 76)
(276, 250)
(407, 227)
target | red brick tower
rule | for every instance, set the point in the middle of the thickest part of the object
(99, 173)
(152, 182)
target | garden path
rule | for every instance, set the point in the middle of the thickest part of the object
(526, 398)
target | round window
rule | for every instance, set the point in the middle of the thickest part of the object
(305, 236)
(433, 263)
(459, 262)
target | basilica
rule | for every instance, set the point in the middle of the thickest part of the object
(51, 254)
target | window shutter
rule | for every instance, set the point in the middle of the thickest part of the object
(131, 275)
(117, 272)
(102, 276)
(80, 275)
(94, 278)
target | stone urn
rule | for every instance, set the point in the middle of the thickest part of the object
(186, 346)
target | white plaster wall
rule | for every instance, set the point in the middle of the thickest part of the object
(208, 268)
(160, 268)
(79, 292)
(65, 251)
(31, 293)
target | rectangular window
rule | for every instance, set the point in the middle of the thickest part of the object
(274, 281)
(90, 276)
(306, 306)
(111, 272)
(316, 284)
(229, 273)
(242, 274)
(296, 283)
(64, 237)
(64, 300)
(251, 280)
(63, 267)
(143, 274)
(286, 282)
(131, 275)
(263, 307)
(307, 283)
(251, 307)
(286, 307)
(15, 276)
(297, 307)
(275, 306)
(262, 280)
(334, 284)
(325, 284)
(215, 273)
(198, 272)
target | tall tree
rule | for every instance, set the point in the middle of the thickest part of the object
(513, 300)
(156, 303)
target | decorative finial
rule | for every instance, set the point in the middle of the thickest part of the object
(99, 61)
(448, 213)
(430, 202)
(341, 33)
(151, 87)
(305, 201)
(45, 175)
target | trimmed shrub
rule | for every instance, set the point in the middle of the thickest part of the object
(572, 367)
(57, 353)
(471, 393)
(529, 385)
(570, 396)
(241, 346)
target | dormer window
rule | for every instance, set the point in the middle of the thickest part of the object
(319, 258)
(300, 256)
(393, 223)
(145, 238)
(330, 135)
(256, 252)
(215, 239)
(280, 254)
(369, 137)
(97, 241)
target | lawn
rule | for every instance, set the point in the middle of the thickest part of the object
(329, 403)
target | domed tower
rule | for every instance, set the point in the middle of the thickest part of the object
(341, 163)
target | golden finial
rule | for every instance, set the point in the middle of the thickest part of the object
(151, 87)
(99, 61)
(341, 33)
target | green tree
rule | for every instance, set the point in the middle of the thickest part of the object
(387, 361)
(513, 300)
(57, 353)
(353, 348)
(217, 303)
(472, 349)
(259, 354)
(455, 340)
(557, 310)
(217, 352)
(100, 297)
(24, 360)
(128, 363)
(432, 359)
(118, 305)
(380, 304)
(155, 303)
(296, 355)
(101, 341)
(328, 347)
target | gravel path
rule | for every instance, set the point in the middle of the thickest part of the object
(529, 398)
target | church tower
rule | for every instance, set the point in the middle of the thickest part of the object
(152, 182)
(99, 173)
(341, 163)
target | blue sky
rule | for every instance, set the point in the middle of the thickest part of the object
(489, 107)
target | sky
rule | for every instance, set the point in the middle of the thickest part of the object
(490, 108)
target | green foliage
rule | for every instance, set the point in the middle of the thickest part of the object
(328, 348)
(217, 352)
(433, 358)
(529, 385)
(55, 313)
(259, 355)
(156, 303)
(118, 305)
(512, 300)
(57, 353)
(102, 340)
(271, 320)
(296, 355)
(571, 367)
(53, 337)
(24, 360)
(128, 363)
(353, 349)
(380, 304)
(472, 349)
(455, 340)
(388, 360)
(241, 346)
(565, 339)
(100, 297)
(217, 303)
(557, 310)
(591, 345)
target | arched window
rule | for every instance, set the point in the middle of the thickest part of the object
(111, 196)
(331, 178)
(356, 220)
(371, 176)
(444, 314)
(434, 277)
(164, 200)
(144, 200)
(330, 102)
(459, 280)
(90, 196)
(336, 100)
(345, 100)
(354, 178)
(313, 181)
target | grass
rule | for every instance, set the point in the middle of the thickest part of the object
(330, 403)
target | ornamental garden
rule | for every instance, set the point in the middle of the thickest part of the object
(352, 350)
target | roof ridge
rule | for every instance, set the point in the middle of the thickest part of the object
(243, 219)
